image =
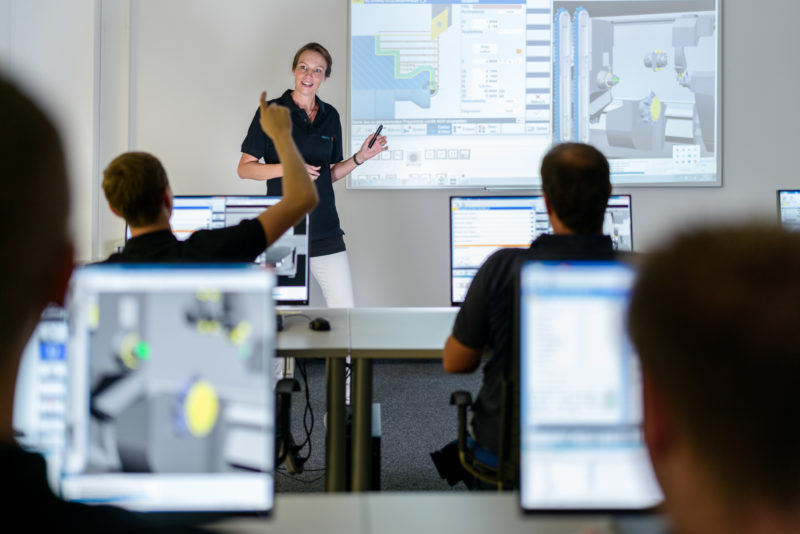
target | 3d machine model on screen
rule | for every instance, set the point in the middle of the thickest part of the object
(600, 98)
(473, 94)
(170, 371)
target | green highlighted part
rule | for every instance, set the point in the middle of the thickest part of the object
(142, 350)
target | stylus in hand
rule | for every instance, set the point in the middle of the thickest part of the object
(374, 137)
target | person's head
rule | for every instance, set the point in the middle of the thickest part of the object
(714, 317)
(136, 187)
(311, 66)
(576, 186)
(37, 248)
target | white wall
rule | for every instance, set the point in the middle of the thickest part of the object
(196, 68)
(49, 47)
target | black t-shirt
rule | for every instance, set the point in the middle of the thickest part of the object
(320, 143)
(240, 243)
(28, 498)
(486, 317)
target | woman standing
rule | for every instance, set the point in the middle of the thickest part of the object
(317, 132)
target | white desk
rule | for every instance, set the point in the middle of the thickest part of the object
(297, 340)
(425, 513)
(387, 333)
(364, 334)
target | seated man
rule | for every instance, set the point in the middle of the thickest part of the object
(137, 189)
(37, 263)
(714, 317)
(576, 186)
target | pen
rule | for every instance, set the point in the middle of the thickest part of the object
(374, 137)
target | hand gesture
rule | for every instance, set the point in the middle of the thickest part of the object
(313, 171)
(364, 153)
(274, 119)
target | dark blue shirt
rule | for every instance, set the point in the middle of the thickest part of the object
(240, 243)
(487, 316)
(320, 143)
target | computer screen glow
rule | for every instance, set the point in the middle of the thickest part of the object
(479, 226)
(170, 399)
(581, 442)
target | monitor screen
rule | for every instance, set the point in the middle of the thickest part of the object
(170, 405)
(481, 225)
(581, 443)
(289, 254)
(40, 394)
(474, 93)
(789, 209)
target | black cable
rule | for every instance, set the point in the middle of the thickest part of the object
(291, 477)
(308, 413)
(290, 315)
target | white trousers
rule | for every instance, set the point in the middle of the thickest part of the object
(332, 273)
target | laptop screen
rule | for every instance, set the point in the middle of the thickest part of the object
(289, 253)
(581, 443)
(171, 406)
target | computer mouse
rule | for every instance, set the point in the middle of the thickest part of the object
(320, 324)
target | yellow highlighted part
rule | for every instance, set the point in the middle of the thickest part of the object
(439, 24)
(201, 408)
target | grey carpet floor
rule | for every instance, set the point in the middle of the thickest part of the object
(416, 419)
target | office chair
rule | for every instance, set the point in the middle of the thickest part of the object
(500, 471)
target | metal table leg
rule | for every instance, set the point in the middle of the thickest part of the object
(362, 424)
(335, 435)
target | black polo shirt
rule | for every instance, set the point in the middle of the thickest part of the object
(320, 143)
(486, 317)
(240, 243)
(29, 498)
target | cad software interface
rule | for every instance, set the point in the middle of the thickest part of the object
(40, 394)
(581, 444)
(289, 254)
(171, 405)
(481, 225)
(789, 209)
(473, 93)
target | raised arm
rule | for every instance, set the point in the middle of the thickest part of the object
(299, 192)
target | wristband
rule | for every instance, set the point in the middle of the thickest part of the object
(355, 160)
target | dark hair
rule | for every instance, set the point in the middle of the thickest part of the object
(575, 180)
(715, 318)
(134, 183)
(34, 218)
(319, 49)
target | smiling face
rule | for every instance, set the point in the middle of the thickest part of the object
(309, 72)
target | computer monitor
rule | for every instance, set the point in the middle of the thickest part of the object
(481, 225)
(581, 442)
(171, 405)
(289, 254)
(789, 208)
(40, 393)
